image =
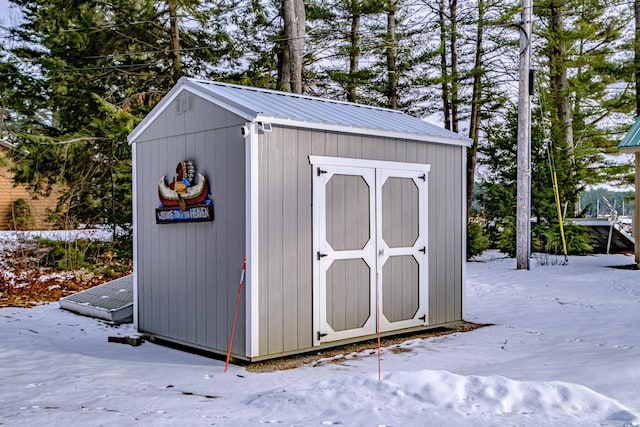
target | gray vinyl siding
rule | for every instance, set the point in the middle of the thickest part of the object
(188, 274)
(285, 231)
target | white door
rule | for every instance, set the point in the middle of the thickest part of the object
(345, 256)
(401, 232)
(370, 248)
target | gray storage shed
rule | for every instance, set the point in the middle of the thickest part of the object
(351, 218)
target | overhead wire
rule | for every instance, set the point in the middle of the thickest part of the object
(366, 32)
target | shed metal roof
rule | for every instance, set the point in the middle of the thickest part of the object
(6, 144)
(285, 108)
(111, 301)
(631, 141)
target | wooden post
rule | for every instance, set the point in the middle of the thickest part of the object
(523, 212)
(636, 221)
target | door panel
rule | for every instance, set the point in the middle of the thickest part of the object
(348, 219)
(400, 212)
(401, 288)
(348, 294)
(370, 244)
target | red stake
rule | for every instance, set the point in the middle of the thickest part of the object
(235, 316)
(378, 306)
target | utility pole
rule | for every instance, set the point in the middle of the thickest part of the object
(523, 213)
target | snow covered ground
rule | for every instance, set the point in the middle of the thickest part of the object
(564, 351)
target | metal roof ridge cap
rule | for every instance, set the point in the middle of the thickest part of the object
(7, 145)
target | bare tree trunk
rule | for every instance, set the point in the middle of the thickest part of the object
(446, 108)
(392, 67)
(290, 58)
(284, 70)
(174, 35)
(453, 11)
(476, 104)
(354, 52)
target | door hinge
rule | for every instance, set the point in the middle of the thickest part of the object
(423, 318)
(321, 171)
(321, 255)
(423, 177)
(320, 335)
(423, 250)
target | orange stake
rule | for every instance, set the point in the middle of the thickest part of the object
(235, 316)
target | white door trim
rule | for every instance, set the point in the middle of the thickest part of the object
(365, 163)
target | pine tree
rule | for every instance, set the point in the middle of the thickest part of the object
(579, 68)
(80, 56)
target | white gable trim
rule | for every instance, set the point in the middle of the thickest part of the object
(182, 86)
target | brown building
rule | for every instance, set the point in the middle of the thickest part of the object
(9, 193)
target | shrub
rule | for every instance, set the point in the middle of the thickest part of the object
(507, 238)
(109, 259)
(477, 240)
(20, 217)
(577, 238)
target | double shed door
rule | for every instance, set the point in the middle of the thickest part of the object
(370, 247)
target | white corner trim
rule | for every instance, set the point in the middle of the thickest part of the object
(463, 281)
(252, 240)
(134, 225)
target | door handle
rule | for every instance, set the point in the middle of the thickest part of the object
(321, 255)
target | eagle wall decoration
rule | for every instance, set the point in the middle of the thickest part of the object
(186, 198)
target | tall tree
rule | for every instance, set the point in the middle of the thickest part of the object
(444, 65)
(476, 105)
(579, 43)
(392, 55)
(347, 45)
(291, 54)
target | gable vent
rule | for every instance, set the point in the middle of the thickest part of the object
(184, 104)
